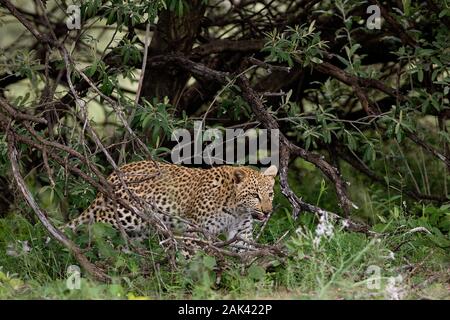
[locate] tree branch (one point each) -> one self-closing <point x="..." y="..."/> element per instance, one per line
<point x="54" y="232"/>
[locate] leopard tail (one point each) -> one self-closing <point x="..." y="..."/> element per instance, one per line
<point x="88" y="216"/>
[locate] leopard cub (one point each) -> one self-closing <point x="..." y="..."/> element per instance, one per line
<point x="220" y="200"/>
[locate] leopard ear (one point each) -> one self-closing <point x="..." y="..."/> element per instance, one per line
<point x="271" y="171"/>
<point x="238" y="175"/>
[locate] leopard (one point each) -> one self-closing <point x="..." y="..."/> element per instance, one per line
<point x="223" y="200"/>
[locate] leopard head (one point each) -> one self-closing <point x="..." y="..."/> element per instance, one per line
<point x="254" y="190"/>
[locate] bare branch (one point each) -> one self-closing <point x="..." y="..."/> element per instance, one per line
<point x="54" y="232"/>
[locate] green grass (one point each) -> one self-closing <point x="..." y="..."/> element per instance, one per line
<point x="335" y="268"/>
<point x="339" y="266"/>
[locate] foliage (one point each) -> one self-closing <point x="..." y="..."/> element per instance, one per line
<point x="371" y="104"/>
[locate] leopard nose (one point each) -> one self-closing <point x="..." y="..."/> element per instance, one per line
<point x="266" y="210"/>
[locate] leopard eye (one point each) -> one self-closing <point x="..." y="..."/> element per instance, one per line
<point x="256" y="196"/>
<point x="270" y="194"/>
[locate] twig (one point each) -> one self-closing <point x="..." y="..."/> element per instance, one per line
<point x="138" y="92"/>
<point x="54" y="232"/>
<point x="287" y="148"/>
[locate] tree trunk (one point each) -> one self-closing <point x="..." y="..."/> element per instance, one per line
<point x="173" y="34"/>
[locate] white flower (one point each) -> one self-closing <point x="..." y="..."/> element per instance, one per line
<point x="391" y="255"/>
<point x="324" y="229"/>
<point x="316" y="241"/>
<point x="13" y="250"/>
<point x="25" y="246"/>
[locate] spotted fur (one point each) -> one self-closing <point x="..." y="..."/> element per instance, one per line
<point x="220" y="200"/>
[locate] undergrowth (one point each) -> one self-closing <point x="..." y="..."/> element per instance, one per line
<point x="408" y="259"/>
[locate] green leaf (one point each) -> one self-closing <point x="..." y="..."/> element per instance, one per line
<point x="90" y="71"/>
<point x="209" y="262"/>
<point x="420" y="75"/>
<point x="407" y="7"/>
<point x="256" y="272"/>
<point x="445" y="12"/>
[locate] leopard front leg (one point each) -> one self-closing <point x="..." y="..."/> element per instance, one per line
<point x="210" y="227"/>
<point x="189" y="244"/>
<point x="242" y="229"/>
